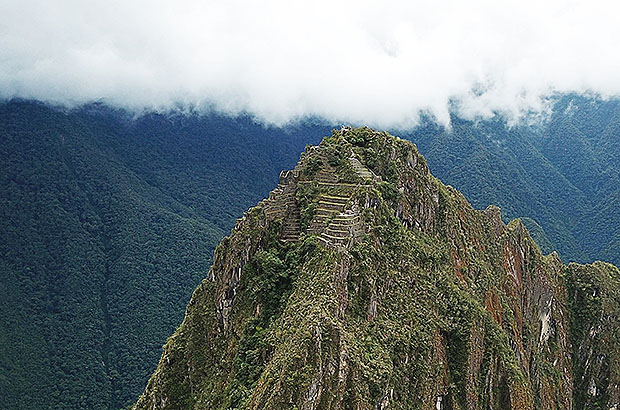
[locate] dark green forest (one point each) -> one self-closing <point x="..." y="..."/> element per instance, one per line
<point x="108" y="224"/>
<point x="561" y="176"/>
<point x="109" y="221"/>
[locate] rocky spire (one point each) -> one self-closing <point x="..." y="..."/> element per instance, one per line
<point x="363" y="282"/>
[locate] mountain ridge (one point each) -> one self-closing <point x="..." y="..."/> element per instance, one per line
<point x="364" y="282"/>
<point x="156" y="185"/>
<point x="560" y="173"/>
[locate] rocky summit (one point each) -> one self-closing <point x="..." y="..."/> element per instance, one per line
<point x="363" y="282"/>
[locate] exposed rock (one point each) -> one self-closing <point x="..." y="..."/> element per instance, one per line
<point x="362" y="282"/>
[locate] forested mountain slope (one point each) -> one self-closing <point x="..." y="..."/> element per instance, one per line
<point x="108" y="223"/>
<point x="561" y="177"/>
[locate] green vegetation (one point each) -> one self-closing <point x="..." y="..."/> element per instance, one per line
<point x="594" y="292"/>
<point x="108" y="224"/>
<point x="563" y="175"/>
<point x="427" y="300"/>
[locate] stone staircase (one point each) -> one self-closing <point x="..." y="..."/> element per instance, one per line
<point x="333" y="224"/>
<point x="342" y="229"/>
<point x="361" y="170"/>
<point x="291" y="229"/>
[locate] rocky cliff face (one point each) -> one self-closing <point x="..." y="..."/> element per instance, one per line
<point x="362" y="282"/>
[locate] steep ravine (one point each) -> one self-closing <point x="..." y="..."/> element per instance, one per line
<point x="363" y="282"/>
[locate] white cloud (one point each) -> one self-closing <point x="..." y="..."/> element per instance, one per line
<point x="378" y="63"/>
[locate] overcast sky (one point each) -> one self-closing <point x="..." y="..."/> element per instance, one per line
<point x="378" y="63"/>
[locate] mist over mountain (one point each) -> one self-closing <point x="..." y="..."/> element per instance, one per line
<point x="562" y="176"/>
<point x="135" y="136"/>
<point x="368" y="63"/>
<point x="110" y="221"/>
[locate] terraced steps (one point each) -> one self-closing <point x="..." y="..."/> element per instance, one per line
<point x="335" y="240"/>
<point x="332" y="206"/>
<point x="275" y="208"/>
<point x="282" y="204"/>
<point x="281" y="195"/>
<point x="335" y="198"/>
<point x="328" y="206"/>
<point x="337" y="232"/>
<point x="291" y="229"/>
<point x="342" y="229"/>
<point x="332" y="222"/>
<point x="326" y="177"/>
<point x="325" y="212"/>
<point x="334" y="225"/>
<point x="361" y="170"/>
<point x="340" y="187"/>
<point x="344" y="225"/>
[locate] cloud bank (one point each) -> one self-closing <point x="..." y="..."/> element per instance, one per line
<point x="379" y="63"/>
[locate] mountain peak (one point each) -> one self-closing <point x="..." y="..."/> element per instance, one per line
<point x="364" y="282"/>
<point x="319" y="197"/>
